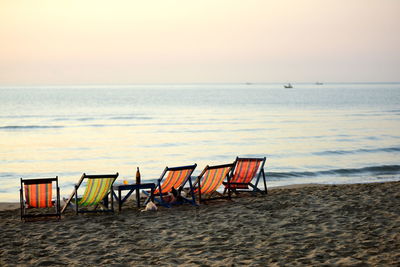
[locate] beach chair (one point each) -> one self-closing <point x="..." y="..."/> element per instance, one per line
<point x="247" y="169"/>
<point x="176" y="177"/>
<point x="210" y="179"/>
<point x="37" y="194"/>
<point x="98" y="190"/>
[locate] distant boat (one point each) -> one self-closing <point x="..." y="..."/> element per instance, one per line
<point x="248" y="83"/>
<point x="288" y="85"/>
<point x="319" y="83"/>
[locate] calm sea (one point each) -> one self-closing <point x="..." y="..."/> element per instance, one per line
<point x="330" y="133"/>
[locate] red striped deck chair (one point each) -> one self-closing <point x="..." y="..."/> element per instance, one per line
<point x="210" y="179"/>
<point x="97" y="193"/>
<point x="175" y="177"/>
<point x="38" y="194"/>
<point x="245" y="171"/>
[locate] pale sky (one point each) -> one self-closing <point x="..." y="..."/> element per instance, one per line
<point x="183" y="41"/>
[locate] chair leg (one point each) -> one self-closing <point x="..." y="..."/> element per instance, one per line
<point x="193" y="195"/>
<point x="200" y="195"/>
<point x="265" y="184"/>
<point x="76" y="200"/>
<point x="58" y="207"/>
<point x="112" y="200"/>
<point x="22" y="204"/>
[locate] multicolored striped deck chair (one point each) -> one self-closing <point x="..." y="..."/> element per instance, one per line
<point x="176" y="177"/>
<point x="37" y="194"/>
<point x="247" y="169"/>
<point x="210" y="180"/>
<point x="97" y="192"/>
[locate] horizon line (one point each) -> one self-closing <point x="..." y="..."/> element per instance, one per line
<point x="194" y="83"/>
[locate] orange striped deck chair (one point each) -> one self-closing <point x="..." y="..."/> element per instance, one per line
<point x="38" y="194"/>
<point x="210" y="179"/>
<point x="175" y="177"/>
<point x="245" y="171"/>
<point x="97" y="193"/>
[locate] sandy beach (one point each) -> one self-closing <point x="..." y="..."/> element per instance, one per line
<point x="344" y="225"/>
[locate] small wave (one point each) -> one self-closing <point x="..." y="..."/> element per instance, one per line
<point x="342" y="152"/>
<point x="109" y="118"/>
<point x="166" y="145"/>
<point x="96" y="125"/>
<point x="305" y="137"/>
<point x="74" y="119"/>
<point x="289" y="174"/>
<point x="130" y="118"/>
<point x="21" y="116"/>
<point x="393" y="111"/>
<point x="6" y="174"/>
<point x="249" y="130"/>
<point x="85" y="119"/>
<point x="367" y="114"/>
<point x="375" y="170"/>
<point x="17" y="127"/>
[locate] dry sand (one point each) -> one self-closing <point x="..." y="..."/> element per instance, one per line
<point x="346" y="225"/>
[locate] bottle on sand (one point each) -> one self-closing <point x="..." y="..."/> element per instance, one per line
<point x="137" y="176"/>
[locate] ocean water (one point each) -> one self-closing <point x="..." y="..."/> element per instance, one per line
<point x="332" y="133"/>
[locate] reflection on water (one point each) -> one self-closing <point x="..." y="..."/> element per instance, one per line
<point x="336" y="133"/>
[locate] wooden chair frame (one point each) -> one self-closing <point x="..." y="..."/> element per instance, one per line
<point x="105" y="200"/>
<point x="24" y="214"/>
<point x="198" y="182"/>
<point x="158" y="196"/>
<point x="260" y="173"/>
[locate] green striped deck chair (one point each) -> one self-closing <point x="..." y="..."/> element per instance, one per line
<point x="38" y="194"/>
<point x="246" y="170"/>
<point x="97" y="193"/>
<point x="210" y="179"/>
<point x="176" y="177"/>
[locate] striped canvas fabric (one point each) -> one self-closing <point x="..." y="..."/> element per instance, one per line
<point x="174" y="179"/>
<point x="96" y="190"/>
<point x="212" y="179"/>
<point x="38" y="195"/>
<point x="245" y="171"/>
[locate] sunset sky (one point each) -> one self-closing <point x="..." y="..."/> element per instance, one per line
<point x="183" y="41"/>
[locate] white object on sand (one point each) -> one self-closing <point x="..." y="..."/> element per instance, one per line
<point x="150" y="207"/>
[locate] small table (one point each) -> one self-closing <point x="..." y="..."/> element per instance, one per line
<point x="131" y="188"/>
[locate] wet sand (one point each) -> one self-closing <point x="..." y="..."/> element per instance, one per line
<point x="345" y="225"/>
